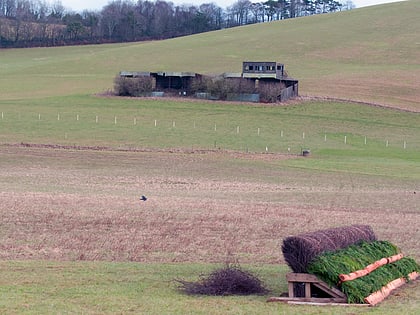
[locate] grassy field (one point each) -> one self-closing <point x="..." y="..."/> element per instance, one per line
<point x="128" y="288"/>
<point x="64" y="205"/>
<point x="369" y="54"/>
<point x="326" y="127"/>
<point x="225" y="181"/>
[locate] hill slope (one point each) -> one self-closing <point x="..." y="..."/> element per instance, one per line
<point x="370" y="54"/>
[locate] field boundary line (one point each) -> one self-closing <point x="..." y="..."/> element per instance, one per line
<point x="344" y="100"/>
<point x="147" y="150"/>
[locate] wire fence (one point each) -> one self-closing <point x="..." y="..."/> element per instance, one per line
<point x="226" y="135"/>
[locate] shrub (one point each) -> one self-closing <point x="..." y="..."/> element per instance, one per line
<point x="230" y="280"/>
<point x="269" y="92"/>
<point x="126" y="86"/>
<point x="200" y="84"/>
<point x="220" y="87"/>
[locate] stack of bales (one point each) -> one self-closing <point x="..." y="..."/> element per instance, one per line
<point x="300" y="250"/>
<point x="351" y="258"/>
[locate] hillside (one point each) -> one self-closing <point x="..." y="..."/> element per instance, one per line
<point x="369" y="54"/>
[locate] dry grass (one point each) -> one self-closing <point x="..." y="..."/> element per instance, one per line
<point x="84" y="205"/>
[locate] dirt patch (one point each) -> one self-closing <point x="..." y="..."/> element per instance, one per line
<point x="233" y="154"/>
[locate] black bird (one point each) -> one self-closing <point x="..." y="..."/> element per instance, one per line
<point x="143" y="198"/>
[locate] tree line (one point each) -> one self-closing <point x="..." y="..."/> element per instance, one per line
<point x="30" y="23"/>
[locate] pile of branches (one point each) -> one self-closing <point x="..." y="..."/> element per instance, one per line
<point x="299" y="251"/>
<point x="230" y="280"/>
<point x="330" y="265"/>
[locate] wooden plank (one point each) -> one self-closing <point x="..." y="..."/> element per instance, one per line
<point x="326" y="304"/>
<point x="301" y="277"/>
<point x="291" y="289"/>
<point x="308" y="289"/>
<point x="307" y="300"/>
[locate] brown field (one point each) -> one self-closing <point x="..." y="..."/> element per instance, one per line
<point x="67" y="204"/>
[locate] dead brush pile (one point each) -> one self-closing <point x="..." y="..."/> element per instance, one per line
<point x="230" y="280"/>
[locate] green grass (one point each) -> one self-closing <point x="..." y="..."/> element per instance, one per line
<point x="39" y="287"/>
<point x="341" y="136"/>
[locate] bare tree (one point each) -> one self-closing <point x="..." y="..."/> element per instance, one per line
<point x="37" y="22"/>
<point x="8" y="8"/>
<point x="258" y="11"/>
<point x="213" y="14"/>
<point x="110" y="17"/>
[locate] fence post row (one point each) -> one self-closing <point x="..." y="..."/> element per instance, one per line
<point x="215" y="129"/>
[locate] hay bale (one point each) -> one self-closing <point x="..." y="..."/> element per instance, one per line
<point x="329" y="265"/>
<point x="300" y="250"/>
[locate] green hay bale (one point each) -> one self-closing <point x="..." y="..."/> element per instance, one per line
<point x="330" y="265"/>
<point x="356" y="290"/>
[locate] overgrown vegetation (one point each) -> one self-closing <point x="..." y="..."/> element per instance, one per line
<point x="230" y="280"/>
<point x="329" y="265"/>
<point x="137" y="86"/>
<point x="216" y="87"/>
